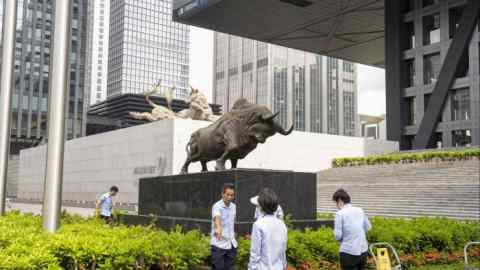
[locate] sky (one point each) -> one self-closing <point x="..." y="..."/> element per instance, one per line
<point x="371" y="81"/>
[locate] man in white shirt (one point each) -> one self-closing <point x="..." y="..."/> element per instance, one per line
<point x="351" y="227"/>
<point x="104" y="205"/>
<point x="269" y="236"/>
<point x="223" y="243"/>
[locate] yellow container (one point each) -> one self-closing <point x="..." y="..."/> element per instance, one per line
<point x="383" y="259"/>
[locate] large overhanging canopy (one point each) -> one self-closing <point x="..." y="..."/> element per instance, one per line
<point x="347" y="29"/>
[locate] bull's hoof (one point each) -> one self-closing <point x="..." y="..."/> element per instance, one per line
<point x="183" y="172"/>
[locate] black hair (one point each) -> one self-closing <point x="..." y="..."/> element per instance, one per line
<point x="114" y="189"/>
<point x="268" y="201"/>
<point x="227" y="186"/>
<point x="342" y="195"/>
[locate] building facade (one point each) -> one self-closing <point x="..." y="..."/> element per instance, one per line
<point x="98" y="22"/>
<point x="315" y="93"/>
<point x="420" y="34"/>
<point x="373" y="127"/>
<point x="146" y="46"/>
<point x="34" y="33"/>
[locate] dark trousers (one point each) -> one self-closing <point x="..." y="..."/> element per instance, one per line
<point x="107" y="219"/>
<point x="352" y="262"/>
<point x="223" y="259"/>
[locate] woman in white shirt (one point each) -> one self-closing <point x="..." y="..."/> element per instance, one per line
<point x="269" y="236"/>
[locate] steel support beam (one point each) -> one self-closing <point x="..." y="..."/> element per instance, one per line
<point x="458" y="47"/>
<point x="7" y="84"/>
<point x="393" y="70"/>
<point x="58" y="94"/>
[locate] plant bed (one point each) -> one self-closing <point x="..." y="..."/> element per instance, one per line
<point x="90" y="244"/>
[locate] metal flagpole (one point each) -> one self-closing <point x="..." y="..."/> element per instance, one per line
<point x="7" y="84"/>
<point x="59" y="68"/>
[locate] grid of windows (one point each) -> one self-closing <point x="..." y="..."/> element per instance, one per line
<point x="349" y="113"/>
<point x="34" y="31"/>
<point x="332" y="95"/>
<point x="437" y="23"/>
<point x="316" y="96"/>
<point x="289" y="82"/>
<point x="147" y="46"/>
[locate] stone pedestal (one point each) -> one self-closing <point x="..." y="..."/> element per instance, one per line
<point x="191" y="196"/>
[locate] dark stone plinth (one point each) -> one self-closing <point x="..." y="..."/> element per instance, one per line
<point x="191" y="196"/>
<point x="204" y="225"/>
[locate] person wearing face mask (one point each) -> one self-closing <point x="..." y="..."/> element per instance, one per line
<point x="269" y="236"/>
<point x="258" y="211"/>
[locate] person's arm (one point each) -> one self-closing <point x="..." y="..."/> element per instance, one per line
<point x="217" y="222"/>
<point x="366" y="223"/>
<point x="98" y="203"/>
<point x="338" y="227"/>
<point x="255" y="248"/>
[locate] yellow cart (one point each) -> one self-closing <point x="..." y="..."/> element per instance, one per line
<point x="382" y="256"/>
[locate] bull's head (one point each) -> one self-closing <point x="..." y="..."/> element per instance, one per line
<point x="267" y="126"/>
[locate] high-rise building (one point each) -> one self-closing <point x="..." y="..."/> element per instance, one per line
<point x="146" y="46"/>
<point x="98" y="22"/>
<point x="423" y="40"/>
<point x="34" y="31"/>
<point x="315" y="93"/>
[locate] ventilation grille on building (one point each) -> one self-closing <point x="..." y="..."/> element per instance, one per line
<point x="298" y="3"/>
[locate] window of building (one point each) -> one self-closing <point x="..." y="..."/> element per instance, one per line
<point x="431" y="68"/>
<point x="426" y="100"/>
<point x="410" y="40"/>
<point x="462" y="138"/>
<point x="410" y="73"/>
<point x="411" y="117"/>
<point x="454" y="15"/>
<point x="463" y="66"/>
<point x="431" y="29"/>
<point x="430" y="2"/>
<point x="409" y="5"/>
<point x="460" y="104"/>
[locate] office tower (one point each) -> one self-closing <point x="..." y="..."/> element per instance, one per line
<point x="315" y="93"/>
<point x="146" y="46"/>
<point x="98" y="22"/>
<point x="32" y="68"/>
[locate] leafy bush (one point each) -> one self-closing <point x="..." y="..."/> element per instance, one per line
<point x="407" y="157"/>
<point x="90" y="244"/>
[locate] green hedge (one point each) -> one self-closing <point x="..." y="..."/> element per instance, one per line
<point x="90" y="244"/>
<point x="406" y="157"/>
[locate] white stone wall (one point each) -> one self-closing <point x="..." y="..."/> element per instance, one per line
<point x="121" y="157"/>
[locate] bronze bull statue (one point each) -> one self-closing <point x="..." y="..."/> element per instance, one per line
<point x="233" y="136"/>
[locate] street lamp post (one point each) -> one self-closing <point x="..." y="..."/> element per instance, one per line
<point x="59" y="69"/>
<point x="7" y="84"/>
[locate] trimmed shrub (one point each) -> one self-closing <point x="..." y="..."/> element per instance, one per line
<point x="90" y="244"/>
<point x="407" y="157"/>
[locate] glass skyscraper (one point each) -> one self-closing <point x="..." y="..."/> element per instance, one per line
<point x="146" y="46"/>
<point x="97" y="50"/>
<point x="315" y="93"/>
<point x="34" y="31"/>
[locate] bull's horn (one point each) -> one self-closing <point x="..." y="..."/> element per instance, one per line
<point x="282" y="131"/>
<point x="270" y="117"/>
